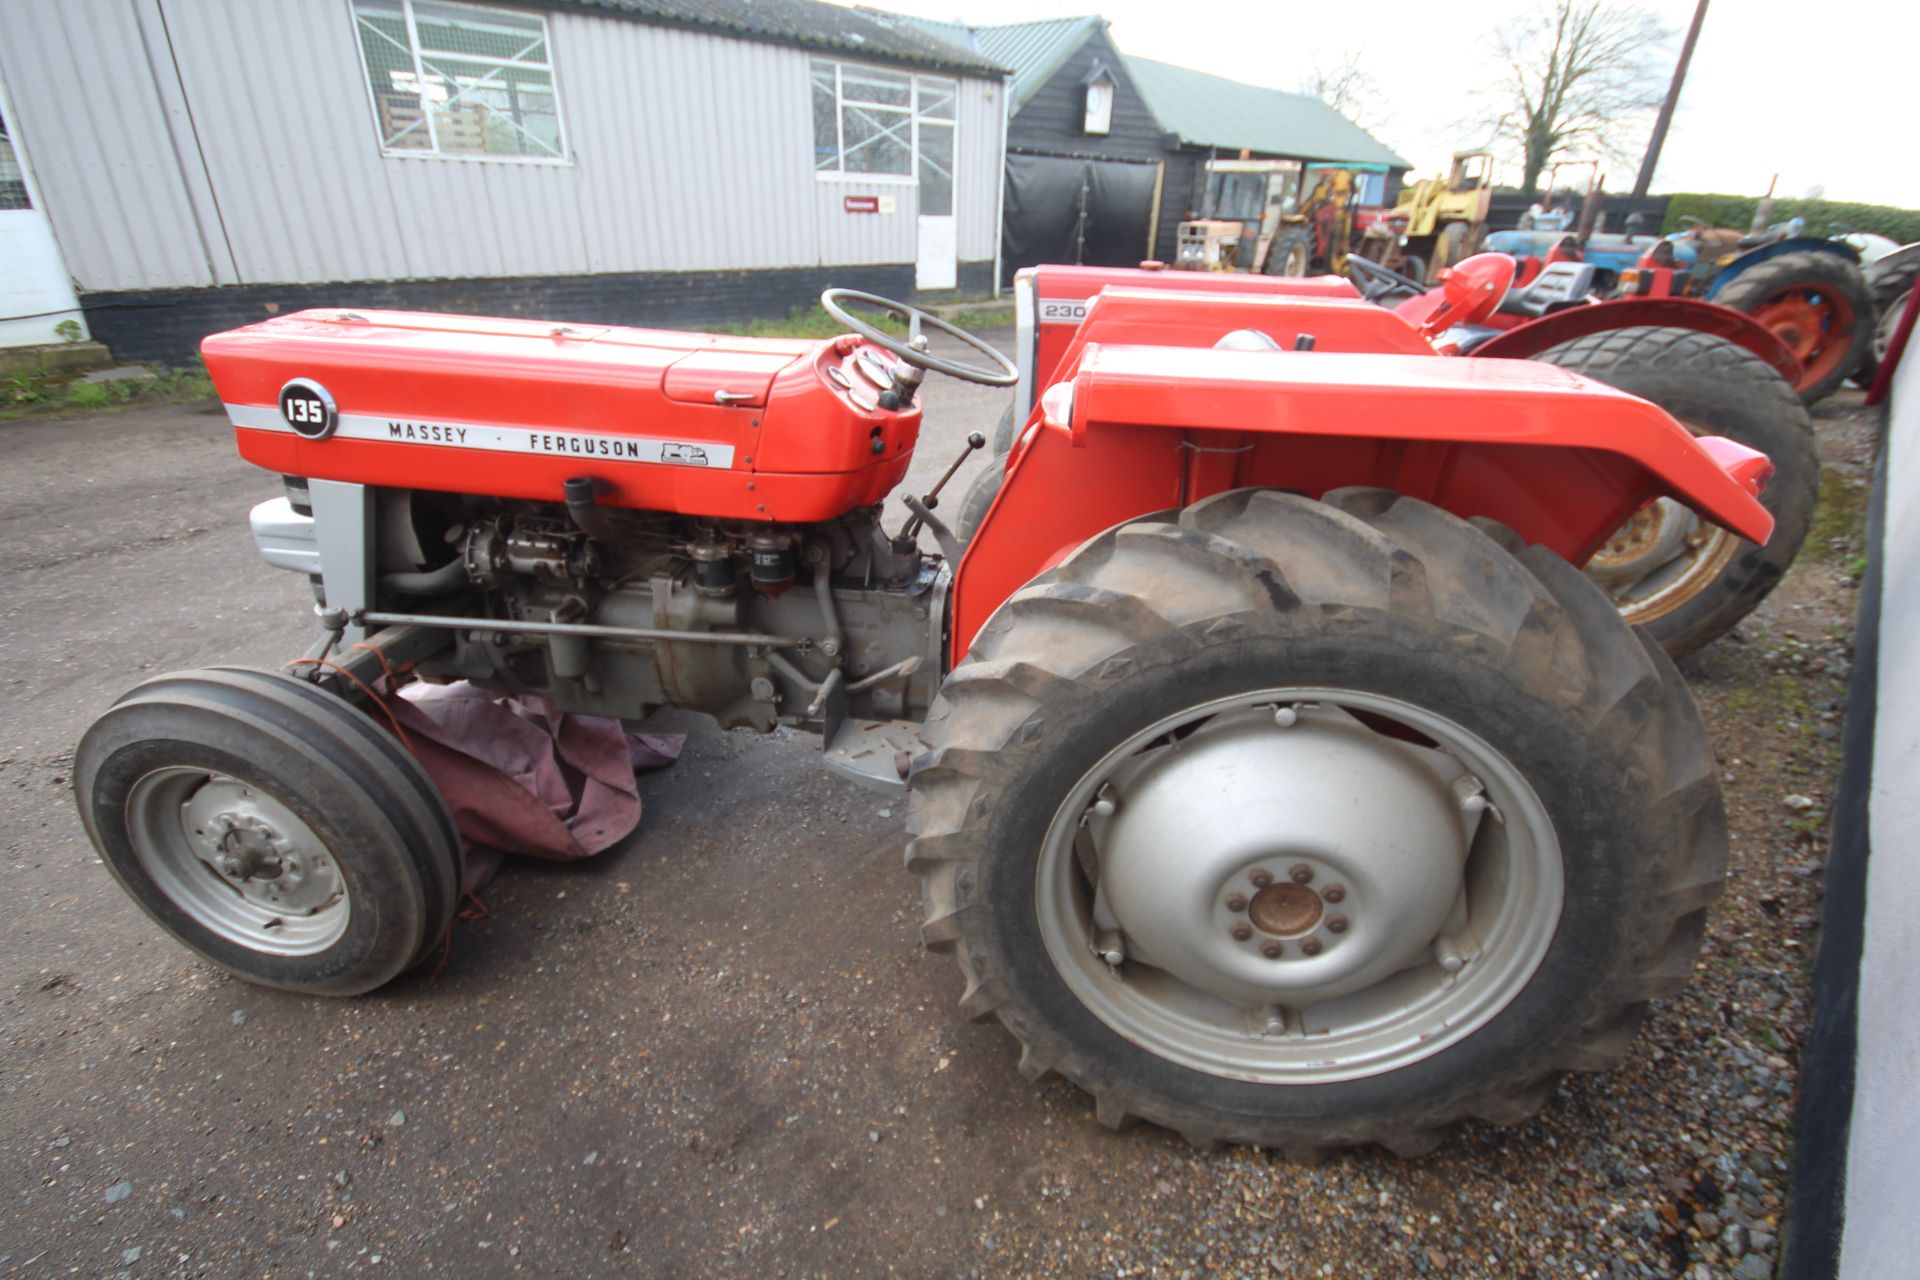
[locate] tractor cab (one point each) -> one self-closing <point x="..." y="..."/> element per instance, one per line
<point x="1242" y="211"/>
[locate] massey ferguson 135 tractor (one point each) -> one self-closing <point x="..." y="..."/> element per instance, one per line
<point x="1719" y="372"/>
<point x="1275" y="774"/>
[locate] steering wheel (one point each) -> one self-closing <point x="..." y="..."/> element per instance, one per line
<point x="1377" y="283"/>
<point x="914" y="348"/>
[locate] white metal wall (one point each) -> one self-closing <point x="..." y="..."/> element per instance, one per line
<point x="257" y="161"/>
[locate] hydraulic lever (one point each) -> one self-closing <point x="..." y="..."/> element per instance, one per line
<point x="922" y="509"/>
<point x="974" y="441"/>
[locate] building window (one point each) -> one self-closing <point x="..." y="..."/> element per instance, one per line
<point x="873" y="123"/>
<point x="459" y="80"/>
<point x="13" y="183"/>
<point x="1100" y="107"/>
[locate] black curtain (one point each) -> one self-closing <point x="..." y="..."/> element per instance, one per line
<point x="1095" y="212"/>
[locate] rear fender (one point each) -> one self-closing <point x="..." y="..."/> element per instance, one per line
<point x="1530" y="339"/>
<point x="1558" y="458"/>
<point x="1888" y="263"/>
<point x="1754" y="257"/>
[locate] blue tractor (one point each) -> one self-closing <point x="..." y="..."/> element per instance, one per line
<point x="1809" y="291"/>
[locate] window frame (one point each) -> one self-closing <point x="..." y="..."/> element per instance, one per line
<point x="552" y="66"/>
<point x="911" y="178"/>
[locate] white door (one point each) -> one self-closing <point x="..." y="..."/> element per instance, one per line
<point x="936" y="263"/>
<point x="36" y="294"/>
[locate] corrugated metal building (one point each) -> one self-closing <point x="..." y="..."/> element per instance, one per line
<point x="207" y="162"/>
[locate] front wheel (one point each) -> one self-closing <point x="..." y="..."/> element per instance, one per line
<point x="1291" y="254"/>
<point x="1310" y="824"/>
<point x="1454" y="243"/>
<point x="272" y="828"/>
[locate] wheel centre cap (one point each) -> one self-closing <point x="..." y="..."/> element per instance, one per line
<point x="1283" y="858"/>
<point x="1286" y="909"/>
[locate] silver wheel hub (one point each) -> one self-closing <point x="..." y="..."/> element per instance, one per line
<point x="1299" y="885"/>
<point x="239" y="862"/>
<point x="1215" y="866"/>
<point x="239" y="842"/>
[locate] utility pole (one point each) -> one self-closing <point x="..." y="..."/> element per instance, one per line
<point x="1665" y="117"/>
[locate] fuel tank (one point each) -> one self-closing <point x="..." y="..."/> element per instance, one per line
<point x="694" y="423"/>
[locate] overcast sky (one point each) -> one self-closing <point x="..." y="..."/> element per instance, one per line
<point x="1825" y="94"/>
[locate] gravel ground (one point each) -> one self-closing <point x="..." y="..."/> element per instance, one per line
<point x="718" y="1050"/>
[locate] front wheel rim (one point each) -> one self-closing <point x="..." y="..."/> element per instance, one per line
<point x="1497" y="909"/>
<point x="237" y="861"/>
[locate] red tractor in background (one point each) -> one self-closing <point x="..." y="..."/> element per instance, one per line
<point x="1275" y="774"/>
<point x="1716" y="370"/>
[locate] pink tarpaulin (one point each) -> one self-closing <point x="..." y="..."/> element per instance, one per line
<point x="523" y="778"/>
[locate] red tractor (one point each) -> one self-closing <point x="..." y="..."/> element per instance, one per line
<point x="1275" y="774"/>
<point x="1719" y="372"/>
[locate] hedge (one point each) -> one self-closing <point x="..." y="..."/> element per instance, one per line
<point x="1824" y="217"/>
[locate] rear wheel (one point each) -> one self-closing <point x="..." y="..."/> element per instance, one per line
<point x="272" y="828"/>
<point x="1311" y="824"/>
<point x="1682" y="580"/>
<point x="1819" y="305"/>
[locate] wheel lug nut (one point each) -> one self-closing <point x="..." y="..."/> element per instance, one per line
<point x="1241" y="932"/>
<point x="1271" y="950"/>
<point x="1310" y="947"/>
<point x="1261" y="878"/>
<point x="1336" y="924"/>
<point x="1334" y="892"/>
<point x="1236" y="902"/>
<point x="1301" y="873"/>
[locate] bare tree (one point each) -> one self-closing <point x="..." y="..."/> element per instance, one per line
<point x="1579" y="75"/>
<point x="1345" y="85"/>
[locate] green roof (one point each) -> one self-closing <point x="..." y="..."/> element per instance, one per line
<point x="1210" y="111"/>
<point x="1033" y="51"/>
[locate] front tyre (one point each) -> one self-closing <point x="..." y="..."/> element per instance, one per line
<point x="1310" y="824"/>
<point x="270" y="827"/>
<point x="1291" y="253"/>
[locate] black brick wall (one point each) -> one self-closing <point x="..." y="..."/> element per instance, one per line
<point x="164" y="326"/>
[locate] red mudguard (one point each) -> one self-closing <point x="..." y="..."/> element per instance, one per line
<point x="1558" y="458"/>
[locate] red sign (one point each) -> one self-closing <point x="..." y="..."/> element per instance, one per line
<point x="862" y="204"/>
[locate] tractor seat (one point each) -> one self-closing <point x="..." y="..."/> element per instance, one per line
<point x="1247" y="340"/>
<point x="1558" y="285"/>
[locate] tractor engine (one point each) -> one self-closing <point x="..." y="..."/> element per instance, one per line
<point x="619" y="612"/>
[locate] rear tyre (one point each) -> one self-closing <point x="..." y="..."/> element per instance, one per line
<point x="1683" y="581"/>
<point x="272" y="828"/>
<point x="1819" y="305"/>
<point x="1169" y="763"/>
<point x="1291" y="254"/>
